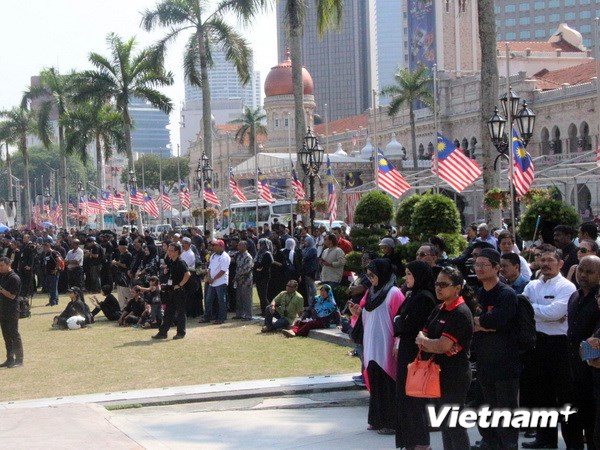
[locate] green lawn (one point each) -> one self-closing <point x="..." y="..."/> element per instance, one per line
<point x="107" y="358"/>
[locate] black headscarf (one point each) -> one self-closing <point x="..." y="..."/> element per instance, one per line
<point x="423" y="276"/>
<point x="386" y="280"/>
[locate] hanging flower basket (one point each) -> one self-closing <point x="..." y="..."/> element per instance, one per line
<point x="496" y="198"/>
<point x="302" y="207"/>
<point x="82" y="219"/>
<point x="320" y="205"/>
<point x="536" y="194"/>
<point x="196" y="212"/>
<point x="131" y="216"/>
<point x="211" y="213"/>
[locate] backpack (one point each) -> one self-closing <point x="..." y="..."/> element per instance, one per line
<point x="24" y="308"/>
<point x="526" y="334"/>
<point x="60" y="262"/>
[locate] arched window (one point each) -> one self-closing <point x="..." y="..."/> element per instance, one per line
<point x="573" y="144"/>
<point x="421" y="151"/>
<point x="430" y="150"/>
<point x="585" y="142"/>
<point x="545" y="140"/>
<point x="556" y="143"/>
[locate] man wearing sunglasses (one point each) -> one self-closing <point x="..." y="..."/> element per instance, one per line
<point x="563" y="240"/>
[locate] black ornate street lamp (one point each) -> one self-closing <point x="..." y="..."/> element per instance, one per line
<point x="204" y="173"/>
<point x="310" y="157"/>
<point x="80" y="191"/>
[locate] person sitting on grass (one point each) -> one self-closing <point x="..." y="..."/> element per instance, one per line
<point x="75" y="308"/>
<point x="284" y="308"/>
<point x="153" y="314"/>
<point x="322" y="312"/>
<point x="109" y="306"/>
<point x="132" y="313"/>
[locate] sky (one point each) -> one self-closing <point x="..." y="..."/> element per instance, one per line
<point x="36" y="34"/>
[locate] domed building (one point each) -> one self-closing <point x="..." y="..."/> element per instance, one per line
<point x="279" y="103"/>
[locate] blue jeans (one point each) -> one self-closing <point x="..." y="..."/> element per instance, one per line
<point x="215" y="303"/>
<point x="275" y="320"/>
<point x="52" y="288"/>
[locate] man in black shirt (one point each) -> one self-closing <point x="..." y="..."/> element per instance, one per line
<point x="583" y="315"/>
<point x="496" y="347"/>
<point x="121" y="275"/>
<point x="25" y="266"/>
<point x="92" y="262"/>
<point x="51" y="272"/>
<point x="563" y="239"/>
<point x="10" y="286"/>
<point x="173" y="296"/>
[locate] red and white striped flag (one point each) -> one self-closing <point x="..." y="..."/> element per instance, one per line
<point x="94" y="205"/>
<point x="106" y="201"/>
<point x="56" y="215"/>
<point x="454" y="167"/>
<point x="164" y="199"/>
<point x="523" y="171"/>
<point x="136" y="197"/>
<point x="331" y="193"/>
<point x="388" y="177"/>
<point x="150" y="206"/>
<point x="118" y="200"/>
<point x="263" y="188"/>
<point x="184" y="196"/>
<point x="209" y="194"/>
<point x="352" y="200"/>
<point x="235" y="189"/>
<point x="299" y="192"/>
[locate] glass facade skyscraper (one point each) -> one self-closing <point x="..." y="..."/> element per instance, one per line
<point x="149" y="133"/>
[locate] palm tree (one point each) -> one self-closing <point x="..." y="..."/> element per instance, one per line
<point x="56" y="90"/>
<point x="489" y="88"/>
<point x="250" y="127"/>
<point x="19" y="123"/>
<point x="409" y="88"/>
<point x="98" y="123"/>
<point x="208" y="28"/>
<point x="329" y="15"/>
<point x="123" y="76"/>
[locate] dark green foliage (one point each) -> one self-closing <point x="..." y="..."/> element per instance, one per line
<point x="404" y="214"/>
<point x="367" y="238"/>
<point x="408" y="251"/>
<point x="455" y="243"/>
<point x="552" y="212"/>
<point x="434" y="214"/>
<point x="374" y="208"/>
<point x="341" y="295"/>
<point x="353" y="261"/>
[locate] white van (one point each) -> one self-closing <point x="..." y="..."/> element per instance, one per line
<point x="157" y="230"/>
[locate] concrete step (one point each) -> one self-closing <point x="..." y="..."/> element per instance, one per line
<point x="332" y="335"/>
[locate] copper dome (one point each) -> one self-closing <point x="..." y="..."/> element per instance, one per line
<point x="279" y="79"/>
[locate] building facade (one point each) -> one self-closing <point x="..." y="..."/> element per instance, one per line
<point x="149" y="133"/>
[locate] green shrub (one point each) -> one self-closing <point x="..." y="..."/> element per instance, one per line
<point x="408" y="251"/>
<point x="455" y="243"/>
<point x="341" y="295"/>
<point x="404" y="214"/>
<point x="367" y="238"/>
<point x="434" y="214"/>
<point x="375" y="207"/>
<point x="552" y="213"/>
<point x="353" y="261"/>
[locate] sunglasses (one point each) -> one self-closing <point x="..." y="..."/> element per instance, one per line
<point x="370" y="276"/>
<point x="422" y="254"/>
<point x="442" y="284"/>
<point x="583" y="250"/>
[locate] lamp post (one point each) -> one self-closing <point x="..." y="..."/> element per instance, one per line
<point x="311" y="158"/>
<point x="79" y="194"/>
<point x="48" y="197"/>
<point x="132" y="181"/>
<point x="204" y="173"/>
<point x="502" y="138"/>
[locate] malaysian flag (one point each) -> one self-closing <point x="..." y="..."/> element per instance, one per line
<point x="164" y="199"/>
<point x="352" y="200"/>
<point x="523" y="172"/>
<point x="209" y="194"/>
<point x="388" y="177"/>
<point x="299" y="192"/>
<point x="94" y="205"/>
<point x="56" y="215"/>
<point x="184" y="196"/>
<point x="106" y="201"/>
<point x="72" y="206"/>
<point x="118" y="200"/>
<point x="263" y="188"/>
<point x="235" y="189"/>
<point x="83" y="209"/>
<point x="454" y="167"/>
<point x="136" y="197"/>
<point x="150" y="205"/>
<point x="331" y="193"/>
<point x="36" y="215"/>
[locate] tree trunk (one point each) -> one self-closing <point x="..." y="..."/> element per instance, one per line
<point x="12" y="206"/>
<point x="27" y="189"/>
<point x="206" y="107"/>
<point x="413" y="137"/>
<point x="296" y="57"/>
<point x="488" y="92"/>
<point x="62" y="174"/>
<point x="99" y="177"/>
<point x="129" y="150"/>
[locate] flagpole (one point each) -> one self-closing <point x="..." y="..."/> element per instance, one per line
<point x="229" y="172"/>
<point x="179" y="181"/>
<point x="161" y="189"/>
<point x="256" y="182"/>
<point x="510" y="145"/>
<point x="375" y="147"/>
<point x="435" y="131"/>
<point x="290" y="156"/>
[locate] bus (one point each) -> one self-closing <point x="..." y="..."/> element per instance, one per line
<point x="243" y="215"/>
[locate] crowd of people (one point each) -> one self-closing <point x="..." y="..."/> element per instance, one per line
<point x="463" y="312"/>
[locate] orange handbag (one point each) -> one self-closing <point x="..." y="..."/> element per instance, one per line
<point x="423" y="378"/>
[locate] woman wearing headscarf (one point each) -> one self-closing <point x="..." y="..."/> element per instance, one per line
<point x="277" y="281"/>
<point x="322" y="312"/>
<point x="293" y="260"/>
<point x="262" y="270"/>
<point x="412" y="429"/>
<point x="310" y="265"/>
<point x="377" y="310"/>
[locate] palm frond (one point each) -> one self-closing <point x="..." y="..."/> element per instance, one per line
<point x="237" y="48"/>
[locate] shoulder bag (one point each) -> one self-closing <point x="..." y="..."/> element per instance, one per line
<point x="423" y="378"/>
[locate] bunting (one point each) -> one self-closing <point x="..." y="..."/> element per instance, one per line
<point x="263" y="188"/>
<point x="299" y="192"/>
<point x="235" y="189"/>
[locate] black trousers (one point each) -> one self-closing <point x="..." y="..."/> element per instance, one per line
<point x="550" y="365"/>
<point x="26" y="282"/>
<point x="500" y="394"/>
<point x="175" y="304"/>
<point x="75" y="277"/>
<point x="583" y="386"/>
<point x="262" y="288"/>
<point x="9" y="323"/>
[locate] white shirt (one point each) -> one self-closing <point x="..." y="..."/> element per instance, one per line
<point x="74" y="255"/>
<point x="190" y="258"/>
<point x="217" y="264"/>
<point x="550" y="300"/>
<point x="525" y="270"/>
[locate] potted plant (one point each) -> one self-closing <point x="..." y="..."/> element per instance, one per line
<point x="131" y="216"/>
<point x="302" y="207"/>
<point x="320" y="205"/>
<point x="211" y="213"/>
<point x="496" y="198"/>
